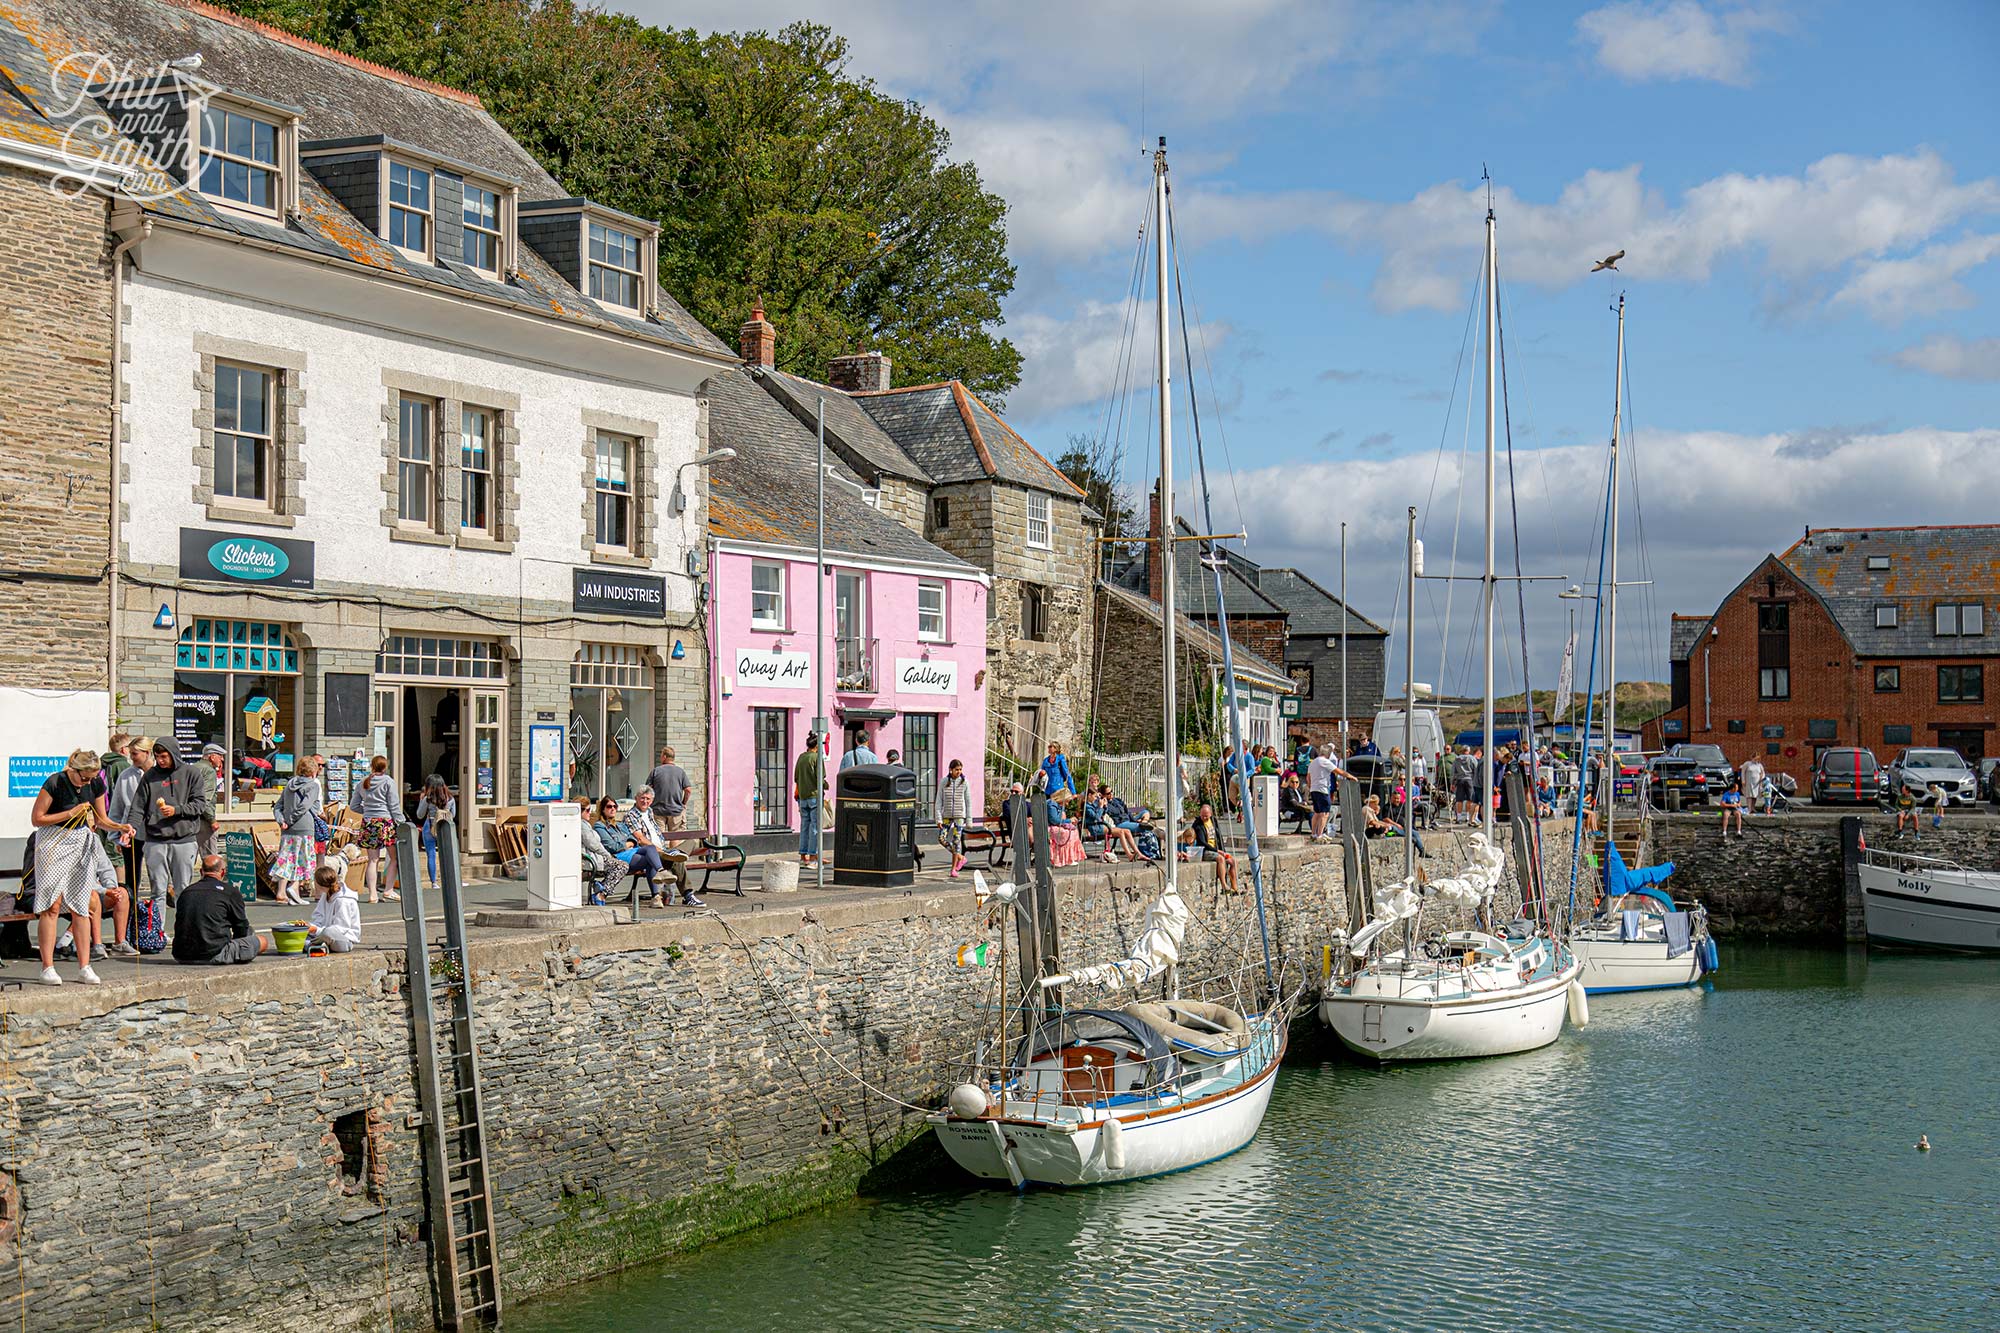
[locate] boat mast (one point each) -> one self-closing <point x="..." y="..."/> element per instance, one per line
<point x="1488" y="583"/>
<point x="1169" y="702"/>
<point x="1611" y="606"/>
<point x="1410" y="707"/>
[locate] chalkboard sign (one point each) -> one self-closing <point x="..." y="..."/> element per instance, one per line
<point x="239" y="851"/>
<point x="346" y="703"/>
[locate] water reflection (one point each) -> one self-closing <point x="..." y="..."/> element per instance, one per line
<point x="1731" y="1156"/>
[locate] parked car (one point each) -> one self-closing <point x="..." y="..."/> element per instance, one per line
<point x="1848" y="774"/>
<point x="1989" y="778"/>
<point x="1680" y="775"/>
<point x="1715" y="766"/>
<point x="1917" y="771"/>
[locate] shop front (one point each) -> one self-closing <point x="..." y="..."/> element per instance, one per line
<point x="440" y="709"/>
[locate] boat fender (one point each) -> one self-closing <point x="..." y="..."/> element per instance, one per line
<point x="1113" y="1134"/>
<point x="1014" y="1175"/>
<point x="1579" y="1004"/>
<point x="1711" y="957"/>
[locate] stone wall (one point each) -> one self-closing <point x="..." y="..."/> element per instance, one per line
<point x="233" y="1150"/>
<point x="55" y="396"/>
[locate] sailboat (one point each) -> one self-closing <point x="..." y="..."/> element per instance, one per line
<point x="1638" y="937"/>
<point x="1461" y="993"/>
<point x="1082" y="1095"/>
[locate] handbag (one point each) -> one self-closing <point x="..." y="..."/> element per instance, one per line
<point x="147" y="936"/>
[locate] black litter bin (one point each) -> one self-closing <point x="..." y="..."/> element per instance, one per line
<point x="875" y="826"/>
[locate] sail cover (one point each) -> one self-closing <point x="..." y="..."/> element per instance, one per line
<point x="1158" y="948"/>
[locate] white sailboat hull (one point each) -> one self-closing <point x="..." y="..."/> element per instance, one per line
<point x="1371" y="1019"/>
<point x="1622" y="965"/>
<point x="1075" y="1145"/>
<point x="1931" y="906"/>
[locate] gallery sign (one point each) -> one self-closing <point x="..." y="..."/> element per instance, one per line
<point x="773" y="671"/>
<point x="916" y="676"/>
<point x="607" y="592"/>
<point x="232" y="557"/>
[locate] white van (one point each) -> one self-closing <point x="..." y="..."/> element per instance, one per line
<point x="1390" y="732"/>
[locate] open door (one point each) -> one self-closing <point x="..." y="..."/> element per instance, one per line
<point x="484" y="789"/>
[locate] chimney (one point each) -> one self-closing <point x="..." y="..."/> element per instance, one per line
<point x="1155" y="585"/>
<point x="757" y="340"/>
<point x="864" y="372"/>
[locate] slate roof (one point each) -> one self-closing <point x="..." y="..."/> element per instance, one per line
<point x="1202" y="639"/>
<point x="956" y="437"/>
<point x="1683" y="634"/>
<point x="1195" y="582"/>
<point x="337" y="97"/>
<point x="1926" y="565"/>
<point x="767" y="493"/>
<point x="846" y="421"/>
<point x="1314" y="611"/>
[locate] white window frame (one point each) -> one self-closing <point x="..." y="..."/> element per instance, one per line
<point x="1039" y="502"/>
<point x="932" y="588"/>
<point x="591" y="263"/>
<point x="275" y="167"/>
<point x="1886" y="615"/>
<point x="268" y="440"/>
<point x="427" y="462"/>
<point x="1878" y="563"/>
<point x="607" y="489"/>
<point x="772" y="614"/>
<point x="390" y="207"/>
<point x="498" y="231"/>
<point x="488" y="440"/>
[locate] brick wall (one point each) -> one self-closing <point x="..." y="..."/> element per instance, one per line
<point x="55" y="398"/>
<point x="1829" y="683"/>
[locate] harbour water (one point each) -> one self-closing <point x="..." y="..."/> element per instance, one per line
<point x="1738" y="1156"/>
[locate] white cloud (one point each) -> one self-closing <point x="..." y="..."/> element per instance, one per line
<point x="1713" y="502"/>
<point x="1073" y="186"/>
<point x="1892" y="290"/>
<point x="1679" y="39"/>
<point x="1976" y="359"/>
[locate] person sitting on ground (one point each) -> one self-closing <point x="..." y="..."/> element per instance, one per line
<point x="1906" y="810"/>
<point x="336" y="913"/>
<point x="1732" y="808"/>
<point x="1097" y="823"/>
<point x="1205" y="844"/>
<point x="210" y="925"/>
<point x="1378" y="827"/>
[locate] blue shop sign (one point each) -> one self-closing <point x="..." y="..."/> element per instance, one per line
<point x="27" y="772"/>
<point x="235" y="557"/>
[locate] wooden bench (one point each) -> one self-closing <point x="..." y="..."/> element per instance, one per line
<point x="1300" y="818"/>
<point x="718" y="856"/>
<point x="992" y="839"/>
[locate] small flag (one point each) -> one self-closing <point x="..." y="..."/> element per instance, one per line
<point x="974" y="955"/>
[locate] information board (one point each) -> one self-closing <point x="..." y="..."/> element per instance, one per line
<point x="239" y="851"/>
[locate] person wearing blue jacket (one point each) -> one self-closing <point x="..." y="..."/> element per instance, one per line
<point x="1056" y="769"/>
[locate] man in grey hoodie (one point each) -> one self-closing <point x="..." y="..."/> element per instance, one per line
<point x="175" y="799"/>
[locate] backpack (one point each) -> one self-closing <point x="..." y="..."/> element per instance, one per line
<point x="147" y="936"/>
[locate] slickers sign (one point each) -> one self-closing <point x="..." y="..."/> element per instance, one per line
<point x="773" y="671"/>
<point x="916" y="676"/>
<point x="229" y="557"/>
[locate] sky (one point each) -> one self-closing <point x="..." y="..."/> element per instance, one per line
<point x="1808" y="195"/>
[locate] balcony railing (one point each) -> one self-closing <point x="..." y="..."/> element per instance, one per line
<point x="854" y="666"/>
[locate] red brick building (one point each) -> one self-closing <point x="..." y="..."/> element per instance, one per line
<point x="1854" y="636"/>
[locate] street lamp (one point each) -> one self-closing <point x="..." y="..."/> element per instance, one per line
<point x="678" y="503"/>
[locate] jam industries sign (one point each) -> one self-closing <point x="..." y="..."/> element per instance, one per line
<point x="234" y="557"/>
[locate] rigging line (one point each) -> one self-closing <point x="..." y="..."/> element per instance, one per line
<point x="1653" y="617"/>
<point x="1221" y="429"/>
<point x="1558" y="533"/>
<point x="1127" y="342"/>
<point x="1465" y="337"/>
<point x="1221" y="615"/>
<point x="1589" y="707"/>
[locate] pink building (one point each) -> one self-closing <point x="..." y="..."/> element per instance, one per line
<point x="905" y="622"/>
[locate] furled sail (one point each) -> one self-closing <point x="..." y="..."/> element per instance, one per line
<point x="1158" y="948"/>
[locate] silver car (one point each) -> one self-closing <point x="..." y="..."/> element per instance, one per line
<point x="1917" y="771"/>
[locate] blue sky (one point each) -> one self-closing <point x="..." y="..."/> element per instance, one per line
<point x="1809" y="195"/>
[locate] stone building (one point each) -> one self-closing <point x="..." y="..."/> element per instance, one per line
<point x="950" y="468"/>
<point x="1128" y="680"/>
<point x="1874" y="637"/>
<point x="408" y="437"/>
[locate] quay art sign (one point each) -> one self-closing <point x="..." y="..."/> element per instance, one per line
<point x="773" y="671"/>
<point x="232" y="557"/>
<point x="916" y="676"/>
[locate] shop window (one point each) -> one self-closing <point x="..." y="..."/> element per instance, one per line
<point x="446" y="659"/>
<point x="771" y="730"/>
<point x="920" y="756"/>
<point x="610" y="719"/>
<point x="236" y="685"/>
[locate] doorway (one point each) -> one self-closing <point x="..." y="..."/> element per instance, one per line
<point x="458" y="733"/>
<point x="1028" y="733"/>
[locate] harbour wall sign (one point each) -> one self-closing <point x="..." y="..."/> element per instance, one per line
<point x="234" y="557"/>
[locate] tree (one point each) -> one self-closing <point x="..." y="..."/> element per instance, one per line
<point x="1093" y="465"/>
<point x="776" y="174"/>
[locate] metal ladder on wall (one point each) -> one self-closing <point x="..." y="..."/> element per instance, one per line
<point x="465" y="1253"/>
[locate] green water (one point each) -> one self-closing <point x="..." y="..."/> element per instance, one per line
<point x="1734" y="1157"/>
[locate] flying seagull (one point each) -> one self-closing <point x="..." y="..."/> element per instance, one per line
<point x="1608" y="262"/>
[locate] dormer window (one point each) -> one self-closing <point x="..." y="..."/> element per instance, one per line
<point x="482" y="229"/>
<point x="409" y="219"/>
<point x="614" y="266"/>
<point x="239" y="159"/>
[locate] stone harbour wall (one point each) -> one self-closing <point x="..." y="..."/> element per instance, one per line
<point x="236" y="1151"/>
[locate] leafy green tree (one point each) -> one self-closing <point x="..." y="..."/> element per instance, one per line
<point x="776" y="173"/>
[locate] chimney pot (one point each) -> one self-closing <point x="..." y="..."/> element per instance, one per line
<point x="757" y="340"/>
<point x="864" y="372"/>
